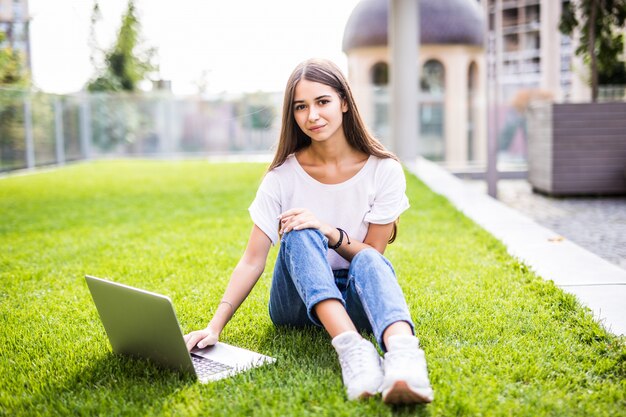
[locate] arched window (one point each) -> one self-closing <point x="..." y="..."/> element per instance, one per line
<point x="432" y="86"/>
<point x="380" y="74"/>
<point x="472" y="81"/>
<point x="433" y="78"/>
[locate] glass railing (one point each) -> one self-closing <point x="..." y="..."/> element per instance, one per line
<point x="607" y="93"/>
<point x="39" y="129"/>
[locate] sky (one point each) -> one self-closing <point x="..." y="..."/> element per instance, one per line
<point x="233" y="46"/>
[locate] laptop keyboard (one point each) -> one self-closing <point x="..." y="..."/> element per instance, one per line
<point x="206" y="367"/>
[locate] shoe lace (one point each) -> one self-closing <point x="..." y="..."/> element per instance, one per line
<point x="353" y="361"/>
<point x="412" y="360"/>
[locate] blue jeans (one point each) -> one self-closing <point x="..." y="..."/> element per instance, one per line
<point x="302" y="278"/>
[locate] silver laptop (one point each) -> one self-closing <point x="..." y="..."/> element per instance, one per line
<point x="143" y="324"/>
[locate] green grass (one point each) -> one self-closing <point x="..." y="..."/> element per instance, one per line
<point x="499" y="340"/>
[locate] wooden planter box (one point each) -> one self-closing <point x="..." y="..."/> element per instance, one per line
<point x="577" y="149"/>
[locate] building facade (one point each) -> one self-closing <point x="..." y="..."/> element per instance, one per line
<point x="478" y="60"/>
<point x="452" y="69"/>
<point x="530" y="51"/>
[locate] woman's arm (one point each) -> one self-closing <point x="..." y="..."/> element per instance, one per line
<point x="377" y="237"/>
<point x="242" y="280"/>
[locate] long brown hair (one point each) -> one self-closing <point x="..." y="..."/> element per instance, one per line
<point x="292" y="138"/>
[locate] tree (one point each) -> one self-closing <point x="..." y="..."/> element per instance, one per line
<point x="126" y="63"/>
<point x="12" y="68"/>
<point x="116" y="119"/>
<point x="601" y="44"/>
<point x="13" y="74"/>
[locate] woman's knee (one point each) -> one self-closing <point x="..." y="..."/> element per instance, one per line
<point x="369" y="256"/>
<point x="370" y="262"/>
<point x="304" y="237"/>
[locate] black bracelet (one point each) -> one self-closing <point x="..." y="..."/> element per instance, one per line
<point x="340" y="241"/>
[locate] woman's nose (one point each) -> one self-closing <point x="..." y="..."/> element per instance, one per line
<point x="313" y="114"/>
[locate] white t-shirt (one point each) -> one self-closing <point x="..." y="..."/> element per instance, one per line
<point x="376" y="194"/>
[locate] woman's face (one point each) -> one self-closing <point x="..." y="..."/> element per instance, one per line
<point x="318" y="110"/>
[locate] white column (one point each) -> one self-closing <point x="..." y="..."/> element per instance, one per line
<point x="455" y="116"/>
<point x="550" y="41"/>
<point x="404" y="45"/>
<point x="359" y="66"/>
<point x="499" y="50"/>
<point x="480" y="117"/>
<point x="494" y="92"/>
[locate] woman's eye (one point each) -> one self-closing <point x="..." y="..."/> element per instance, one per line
<point x="323" y="102"/>
<point x="300" y="107"/>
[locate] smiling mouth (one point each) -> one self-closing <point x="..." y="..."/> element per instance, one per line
<point x="316" y="128"/>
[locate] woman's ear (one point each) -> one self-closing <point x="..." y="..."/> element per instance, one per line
<point x="344" y="105"/>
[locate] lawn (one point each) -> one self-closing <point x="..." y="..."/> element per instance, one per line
<point x="499" y="340"/>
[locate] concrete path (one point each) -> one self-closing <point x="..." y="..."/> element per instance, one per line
<point x="598" y="224"/>
<point x="597" y="283"/>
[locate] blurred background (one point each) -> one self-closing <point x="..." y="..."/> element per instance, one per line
<point x="88" y="79"/>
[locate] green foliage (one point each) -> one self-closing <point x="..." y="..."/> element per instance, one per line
<point x="13" y="129"/>
<point x="261" y="117"/>
<point x="12" y="143"/>
<point x="12" y="68"/>
<point x="116" y="120"/>
<point x="126" y="63"/>
<point x="257" y="111"/>
<point x="115" y="117"/>
<point x="499" y="340"/>
<point x="608" y="42"/>
<point x="616" y="76"/>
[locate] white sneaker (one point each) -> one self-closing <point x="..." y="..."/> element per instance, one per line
<point x="406" y="377"/>
<point x="360" y="365"/>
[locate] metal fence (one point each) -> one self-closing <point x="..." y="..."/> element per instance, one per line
<point x="612" y="93"/>
<point x="38" y="129"/>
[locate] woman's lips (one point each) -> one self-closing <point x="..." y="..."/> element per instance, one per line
<point x="316" y="128"/>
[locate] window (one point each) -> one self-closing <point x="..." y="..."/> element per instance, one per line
<point x="432" y="78"/>
<point x="472" y="81"/>
<point x="380" y="74"/>
<point x="379" y="77"/>
<point x="431" y="112"/>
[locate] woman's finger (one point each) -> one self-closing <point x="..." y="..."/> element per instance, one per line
<point x="209" y="340"/>
<point x="291" y="212"/>
<point x="193" y="339"/>
<point x="289" y="223"/>
<point x="310" y="224"/>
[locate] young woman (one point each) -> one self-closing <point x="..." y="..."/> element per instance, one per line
<point x="332" y="197"/>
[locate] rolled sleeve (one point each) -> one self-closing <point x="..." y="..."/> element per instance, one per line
<point x="262" y="212"/>
<point x="390" y="199"/>
<point x="266" y="207"/>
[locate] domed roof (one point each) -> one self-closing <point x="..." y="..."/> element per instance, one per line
<point x="441" y="22"/>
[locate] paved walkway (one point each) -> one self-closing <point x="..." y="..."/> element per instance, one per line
<point x="596" y="224"/>
<point x="596" y="282"/>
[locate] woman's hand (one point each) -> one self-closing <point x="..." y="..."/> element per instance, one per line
<point x="300" y="218"/>
<point x="201" y="338"/>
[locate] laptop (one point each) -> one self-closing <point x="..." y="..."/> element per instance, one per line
<point x="143" y="324"/>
